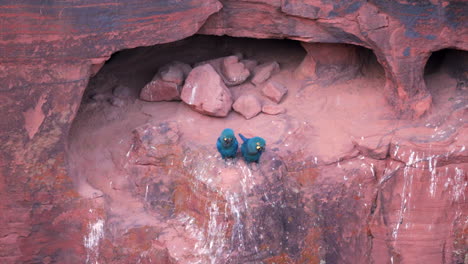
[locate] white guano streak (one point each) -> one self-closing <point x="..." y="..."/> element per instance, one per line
<point x="192" y="95"/>
<point x="91" y="241"/>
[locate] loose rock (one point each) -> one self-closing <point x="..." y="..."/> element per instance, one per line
<point x="248" y="106"/>
<point x="175" y="72"/>
<point x="250" y="64"/>
<point x="167" y="83"/>
<point x="159" y="90"/>
<point x="264" y="71"/>
<point x="122" y="91"/>
<point x="274" y="91"/>
<point x="115" y="101"/>
<point x="234" y="72"/>
<point x="206" y="93"/>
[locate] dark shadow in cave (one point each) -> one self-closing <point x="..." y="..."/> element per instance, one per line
<point x="332" y="63"/>
<point x="451" y="61"/>
<point x="446" y="72"/>
<point x="371" y="68"/>
<point x="133" y="68"/>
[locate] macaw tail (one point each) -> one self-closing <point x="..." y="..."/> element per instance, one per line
<point x="242" y="137"/>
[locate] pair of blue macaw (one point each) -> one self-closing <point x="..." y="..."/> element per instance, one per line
<point x="251" y="149"/>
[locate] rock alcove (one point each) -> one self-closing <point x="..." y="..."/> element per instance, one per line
<point x="335" y="183"/>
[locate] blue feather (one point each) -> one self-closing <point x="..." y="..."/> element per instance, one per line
<point x="244" y="139"/>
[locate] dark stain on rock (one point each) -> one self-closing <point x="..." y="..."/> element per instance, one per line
<point x="455" y="13"/>
<point x="406" y="52"/>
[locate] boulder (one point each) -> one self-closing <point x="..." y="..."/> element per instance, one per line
<point x="167" y="83"/>
<point x="160" y="90"/>
<point x="175" y="72"/>
<point x="234" y="72"/>
<point x="122" y="91"/>
<point x="274" y="91"/>
<point x="172" y="74"/>
<point x="248" y="106"/>
<point x="264" y="71"/>
<point x="205" y="91"/>
<point x="242" y="89"/>
<point x="230" y="68"/>
<point x="249" y="64"/>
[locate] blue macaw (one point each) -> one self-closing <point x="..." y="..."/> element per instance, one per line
<point x="227" y="144"/>
<point x="252" y="148"/>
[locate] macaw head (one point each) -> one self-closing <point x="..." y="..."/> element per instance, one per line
<point x="227" y="137"/>
<point x="257" y="144"/>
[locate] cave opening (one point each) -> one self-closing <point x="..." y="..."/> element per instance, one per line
<point x="154" y="164"/>
<point x="446" y="77"/>
<point x="136" y="67"/>
<point x="131" y="69"/>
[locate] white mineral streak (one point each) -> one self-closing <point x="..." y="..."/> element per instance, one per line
<point x="91" y="241"/>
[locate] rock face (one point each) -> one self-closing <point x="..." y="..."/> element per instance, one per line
<point x="49" y="54"/>
<point x="173" y="198"/>
<point x="75" y="41"/>
<point x="205" y="92"/>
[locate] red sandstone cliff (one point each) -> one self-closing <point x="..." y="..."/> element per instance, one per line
<point x="410" y="204"/>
